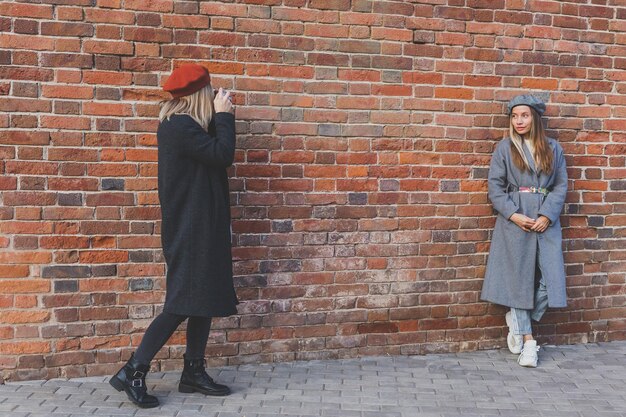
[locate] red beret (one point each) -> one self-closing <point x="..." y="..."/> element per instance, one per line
<point x="186" y="80"/>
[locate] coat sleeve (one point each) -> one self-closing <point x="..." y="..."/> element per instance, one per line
<point x="553" y="203"/>
<point x="218" y="150"/>
<point x="497" y="184"/>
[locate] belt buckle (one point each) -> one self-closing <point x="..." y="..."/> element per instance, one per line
<point x="533" y="190"/>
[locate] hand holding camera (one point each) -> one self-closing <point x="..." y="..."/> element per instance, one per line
<point x="223" y="102"/>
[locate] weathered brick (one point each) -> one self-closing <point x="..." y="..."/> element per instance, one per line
<point x="65" y="286"/>
<point x="26" y="10"/>
<point x="20" y="316"/>
<point x="24" y="137"/>
<point x="360" y="213"/>
<point x="67" y="29"/>
<point x="66" y="272"/>
<point x="26" y="26"/>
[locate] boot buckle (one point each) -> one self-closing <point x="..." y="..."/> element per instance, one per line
<point x="136" y="383"/>
<point x="138" y="374"/>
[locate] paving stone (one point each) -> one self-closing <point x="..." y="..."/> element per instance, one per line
<point x="155" y="412"/>
<point x="189" y="413"/>
<point x="340" y="413"/>
<point x="4" y="407"/>
<point x="36" y="414"/>
<point x="116" y="412"/>
<point x="361" y="407"/>
<point x="37" y="409"/>
<point x="573" y="381"/>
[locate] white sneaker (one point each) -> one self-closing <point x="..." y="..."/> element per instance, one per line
<point x="528" y="357"/>
<point x="515" y="341"/>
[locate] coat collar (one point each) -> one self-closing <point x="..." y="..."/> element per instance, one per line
<point x="530" y="159"/>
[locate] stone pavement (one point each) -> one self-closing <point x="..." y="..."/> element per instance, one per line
<point x="572" y="381"/>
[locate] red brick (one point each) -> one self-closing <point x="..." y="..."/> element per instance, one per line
<point x="96" y="257"/>
<point x="357" y="102"/>
<point x="24" y="42"/>
<point x="223" y="9"/>
<point x="257" y="26"/>
<point x="26" y="10"/>
<point x="23" y="137"/>
<point x="107" y="109"/>
<point x="107" y="284"/>
<point x="112" y="170"/>
<point x="482" y="81"/>
<point x="330" y="31"/>
<point x="20" y="348"/>
<point x="66" y="29"/>
<point x="110" y="199"/>
<point x="284" y="71"/>
<point x="105" y="342"/>
<point x="25" y="286"/>
<point x="108" y="47"/>
<point x="291" y="42"/>
<point x="481" y="54"/>
<point x="14" y="271"/>
<point x="185" y="21"/>
<point x="457" y="13"/>
<point x="21" y="316"/>
<point x="377" y="328"/>
<point x="388" y="7"/>
<point x="152" y="5"/>
<point x="69" y="13"/>
<point x="72" y="154"/>
<point x="107" y="78"/>
<point x="25" y="73"/>
<point x="330" y="4"/>
<point x="540" y="84"/>
<point x="24" y="105"/>
<point x="454" y="93"/>
<point x="71" y="92"/>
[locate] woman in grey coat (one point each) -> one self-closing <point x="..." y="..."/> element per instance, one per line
<point x="196" y="139"/>
<point x="527" y="187"/>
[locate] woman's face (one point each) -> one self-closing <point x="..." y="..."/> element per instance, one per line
<point x="522" y="119"/>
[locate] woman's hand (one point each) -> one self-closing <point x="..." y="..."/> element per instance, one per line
<point x="525" y="223"/>
<point x="222" y="102"/>
<point x="541" y="224"/>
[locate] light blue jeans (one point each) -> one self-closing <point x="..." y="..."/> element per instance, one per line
<point x="521" y="317"/>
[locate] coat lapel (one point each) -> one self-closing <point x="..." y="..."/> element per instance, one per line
<point x="530" y="158"/>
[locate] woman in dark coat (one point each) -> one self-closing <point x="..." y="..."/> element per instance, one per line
<point x="527" y="186"/>
<point x="196" y="139"/>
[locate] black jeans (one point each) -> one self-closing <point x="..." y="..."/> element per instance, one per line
<point x="164" y="325"/>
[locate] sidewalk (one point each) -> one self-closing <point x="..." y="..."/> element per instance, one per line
<point x="571" y="381"/>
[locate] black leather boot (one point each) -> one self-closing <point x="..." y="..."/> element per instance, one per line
<point x="132" y="379"/>
<point x="195" y="379"/>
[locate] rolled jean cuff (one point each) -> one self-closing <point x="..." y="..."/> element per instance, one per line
<point x="521" y="321"/>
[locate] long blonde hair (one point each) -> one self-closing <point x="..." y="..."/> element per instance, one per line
<point x="537" y="136"/>
<point x="198" y="105"/>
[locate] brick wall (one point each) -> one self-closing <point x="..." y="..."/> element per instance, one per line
<point x="365" y="130"/>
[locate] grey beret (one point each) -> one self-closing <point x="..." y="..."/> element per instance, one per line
<point x="527" y="100"/>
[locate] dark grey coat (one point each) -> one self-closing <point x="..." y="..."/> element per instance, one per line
<point x="510" y="275"/>
<point x="195" y="208"/>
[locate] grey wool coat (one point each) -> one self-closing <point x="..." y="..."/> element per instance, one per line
<point x="510" y="275"/>
<point x="195" y="209"/>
